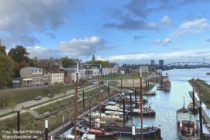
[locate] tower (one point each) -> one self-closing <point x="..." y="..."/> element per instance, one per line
<point x="161" y="63"/>
<point x="93" y="57"/>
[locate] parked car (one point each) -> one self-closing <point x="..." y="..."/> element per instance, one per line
<point x="50" y="95"/>
<point x="38" y="98"/>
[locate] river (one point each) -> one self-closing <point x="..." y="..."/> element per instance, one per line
<point x="166" y="104"/>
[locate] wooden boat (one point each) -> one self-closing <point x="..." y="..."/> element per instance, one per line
<point x="100" y="132"/>
<point x="186" y="125"/>
<point x="126" y="130"/>
<point x="148" y="132"/>
<point x="166" y="85"/>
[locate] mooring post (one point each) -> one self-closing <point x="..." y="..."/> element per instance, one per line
<point x="90" y="116"/>
<point x="46" y="129"/>
<point x="108" y="90"/>
<point x="18" y="122"/>
<point x="135" y="99"/>
<point x="201" y="123"/>
<point x="83" y="99"/>
<point x="193" y="99"/>
<point x="121" y="83"/>
<point x="124" y="111"/>
<point x="131" y="106"/>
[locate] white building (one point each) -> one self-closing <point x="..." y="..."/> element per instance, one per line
<point x="144" y="69"/>
<point x="31" y="76"/>
<point x="56" y="78"/>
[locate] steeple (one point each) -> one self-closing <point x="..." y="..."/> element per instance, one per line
<point x="93" y="57"/>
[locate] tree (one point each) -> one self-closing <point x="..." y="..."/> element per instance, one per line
<point x="19" y="54"/>
<point x="103" y="63"/>
<point x="6" y="69"/>
<point x="68" y="62"/>
<point x="2" y="48"/>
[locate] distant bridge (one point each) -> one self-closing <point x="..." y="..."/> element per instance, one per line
<point x="188" y="63"/>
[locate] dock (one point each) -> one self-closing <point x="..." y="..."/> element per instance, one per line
<point x="204" y="113"/>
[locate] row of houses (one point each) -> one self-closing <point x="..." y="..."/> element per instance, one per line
<point x="33" y="76"/>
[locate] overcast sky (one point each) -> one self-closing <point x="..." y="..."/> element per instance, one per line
<point x="122" y="31"/>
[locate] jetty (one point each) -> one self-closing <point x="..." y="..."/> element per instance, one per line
<point x="204" y="113"/>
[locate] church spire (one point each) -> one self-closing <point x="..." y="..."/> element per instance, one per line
<point x="93" y="57"/>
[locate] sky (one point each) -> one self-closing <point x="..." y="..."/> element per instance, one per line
<point x="120" y="31"/>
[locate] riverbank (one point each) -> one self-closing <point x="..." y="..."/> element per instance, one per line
<point x="203" y="90"/>
<point x="66" y="110"/>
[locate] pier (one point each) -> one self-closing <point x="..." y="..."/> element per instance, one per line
<point x="204" y="113"/>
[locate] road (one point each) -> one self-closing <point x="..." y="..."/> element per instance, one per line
<point x="43" y="100"/>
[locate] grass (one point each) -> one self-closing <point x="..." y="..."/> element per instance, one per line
<point x="64" y="103"/>
<point x="118" y="77"/>
<point x="19" y="96"/>
<point x="11" y="98"/>
<point x="203" y="89"/>
<point x="56" y="105"/>
<point x="28" y="122"/>
<point x="151" y="86"/>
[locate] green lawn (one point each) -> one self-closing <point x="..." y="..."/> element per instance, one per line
<point x="118" y="77"/>
<point x="9" y="98"/>
<point x="28" y="122"/>
<point x="203" y="89"/>
<point x="12" y="97"/>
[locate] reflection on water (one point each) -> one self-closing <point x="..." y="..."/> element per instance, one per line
<point x="166" y="104"/>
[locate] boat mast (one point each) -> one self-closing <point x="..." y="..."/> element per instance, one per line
<point x="141" y="102"/>
<point x="75" y="104"/>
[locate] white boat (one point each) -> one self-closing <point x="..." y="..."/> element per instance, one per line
<point x="105" y="117"/>
<point x="113" y="113"/>
<point x="86" y="136"/>
<point x="111" y="103"/>
<point x="71" y="137"/>
<point x="113" y="108"/>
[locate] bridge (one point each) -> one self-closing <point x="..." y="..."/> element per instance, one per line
<point x="188" y="63"/>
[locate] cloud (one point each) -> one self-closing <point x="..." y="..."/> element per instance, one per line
<point x="135" y="13"/>
<point x="208" y="40"/>
<point x="127" y="22"/>
<point x="192" y="26"/>
<point x="137" y="37"/>
<point x="163" y="42"/>
<point x="42" y="52"/>
<point x="166" y="20"/>
<point x="169" y="56"/>
<point x="82" y="47"/>
<point x="143" y="8"/>
<point x="21" y="19"/>
<point x="197" y="24"/>
<point x="85" y="46"/>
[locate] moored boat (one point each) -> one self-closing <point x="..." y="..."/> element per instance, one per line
<point x="150" y="93"/>
<point x="166" y="85"/>
<point x="186" y="125"/>
<point x="98" y="132"/>
<point x="145" y="111"/>
<point x="86" y="136"/>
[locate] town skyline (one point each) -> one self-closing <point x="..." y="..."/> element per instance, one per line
<point x="132" y="31"/>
